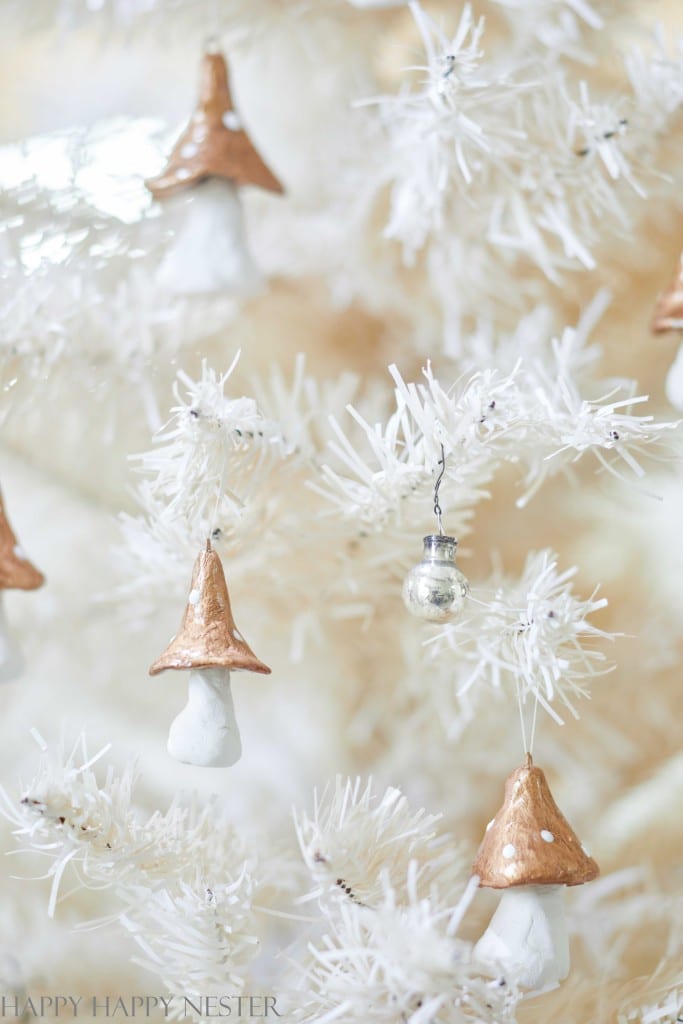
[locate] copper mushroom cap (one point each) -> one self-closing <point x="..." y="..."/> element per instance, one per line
<point x="16" y="572"/>
<point x="668" y="314"/>
<point x="213" y="145"/>
<point x="208" y="637"/>
<point x="530" y="842"/>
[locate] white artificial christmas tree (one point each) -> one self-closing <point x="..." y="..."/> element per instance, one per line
<point x="453" y="309"/>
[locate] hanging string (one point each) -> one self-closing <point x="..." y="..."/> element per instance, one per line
<point x="214" y="520"/>
<point x="527" y="748"/>
<point x="212" y="37"/>
<point x="533" y="726"/>
<point x="520" y="708"/>
<point x="437" y="507"/>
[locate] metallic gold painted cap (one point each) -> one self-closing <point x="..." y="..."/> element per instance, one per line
<point x="213" y="145"/>
<point x="668" y="314"/>
<point x="16" y="572"/>
<point x="208" y="637"/>
<point x="530" y="842"/>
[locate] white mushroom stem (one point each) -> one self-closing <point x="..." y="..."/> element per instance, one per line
<point x="209" y="251"/>
<point x="11" y="658"/>
<point x="205" y="732"/>
<point x="674" y="381"/>
<point x="527" y="936"/>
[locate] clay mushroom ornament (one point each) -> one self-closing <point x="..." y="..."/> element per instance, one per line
<point x="16" y="572"/>
<point x="668" y="316"/>
<point x="199" y="185"/>
<point x="209" y="645"/>
<point x="531" y="852"/>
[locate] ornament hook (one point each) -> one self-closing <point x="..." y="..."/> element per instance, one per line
<point x="438" y="512"/>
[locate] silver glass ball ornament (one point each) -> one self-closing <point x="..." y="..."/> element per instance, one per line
<point x="435" y="589"/>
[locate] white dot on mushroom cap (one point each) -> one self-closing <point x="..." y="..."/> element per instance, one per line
<point x="490" y="824"/>
<point x="194" y="597"/>
<point x="232" y="121"/>
<point x="189" y="149"/>
<point x="182" y="173"/>
<point x="19" y="552"/>
<point x="546" y="836"/>
<point x="509" y="851"/>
